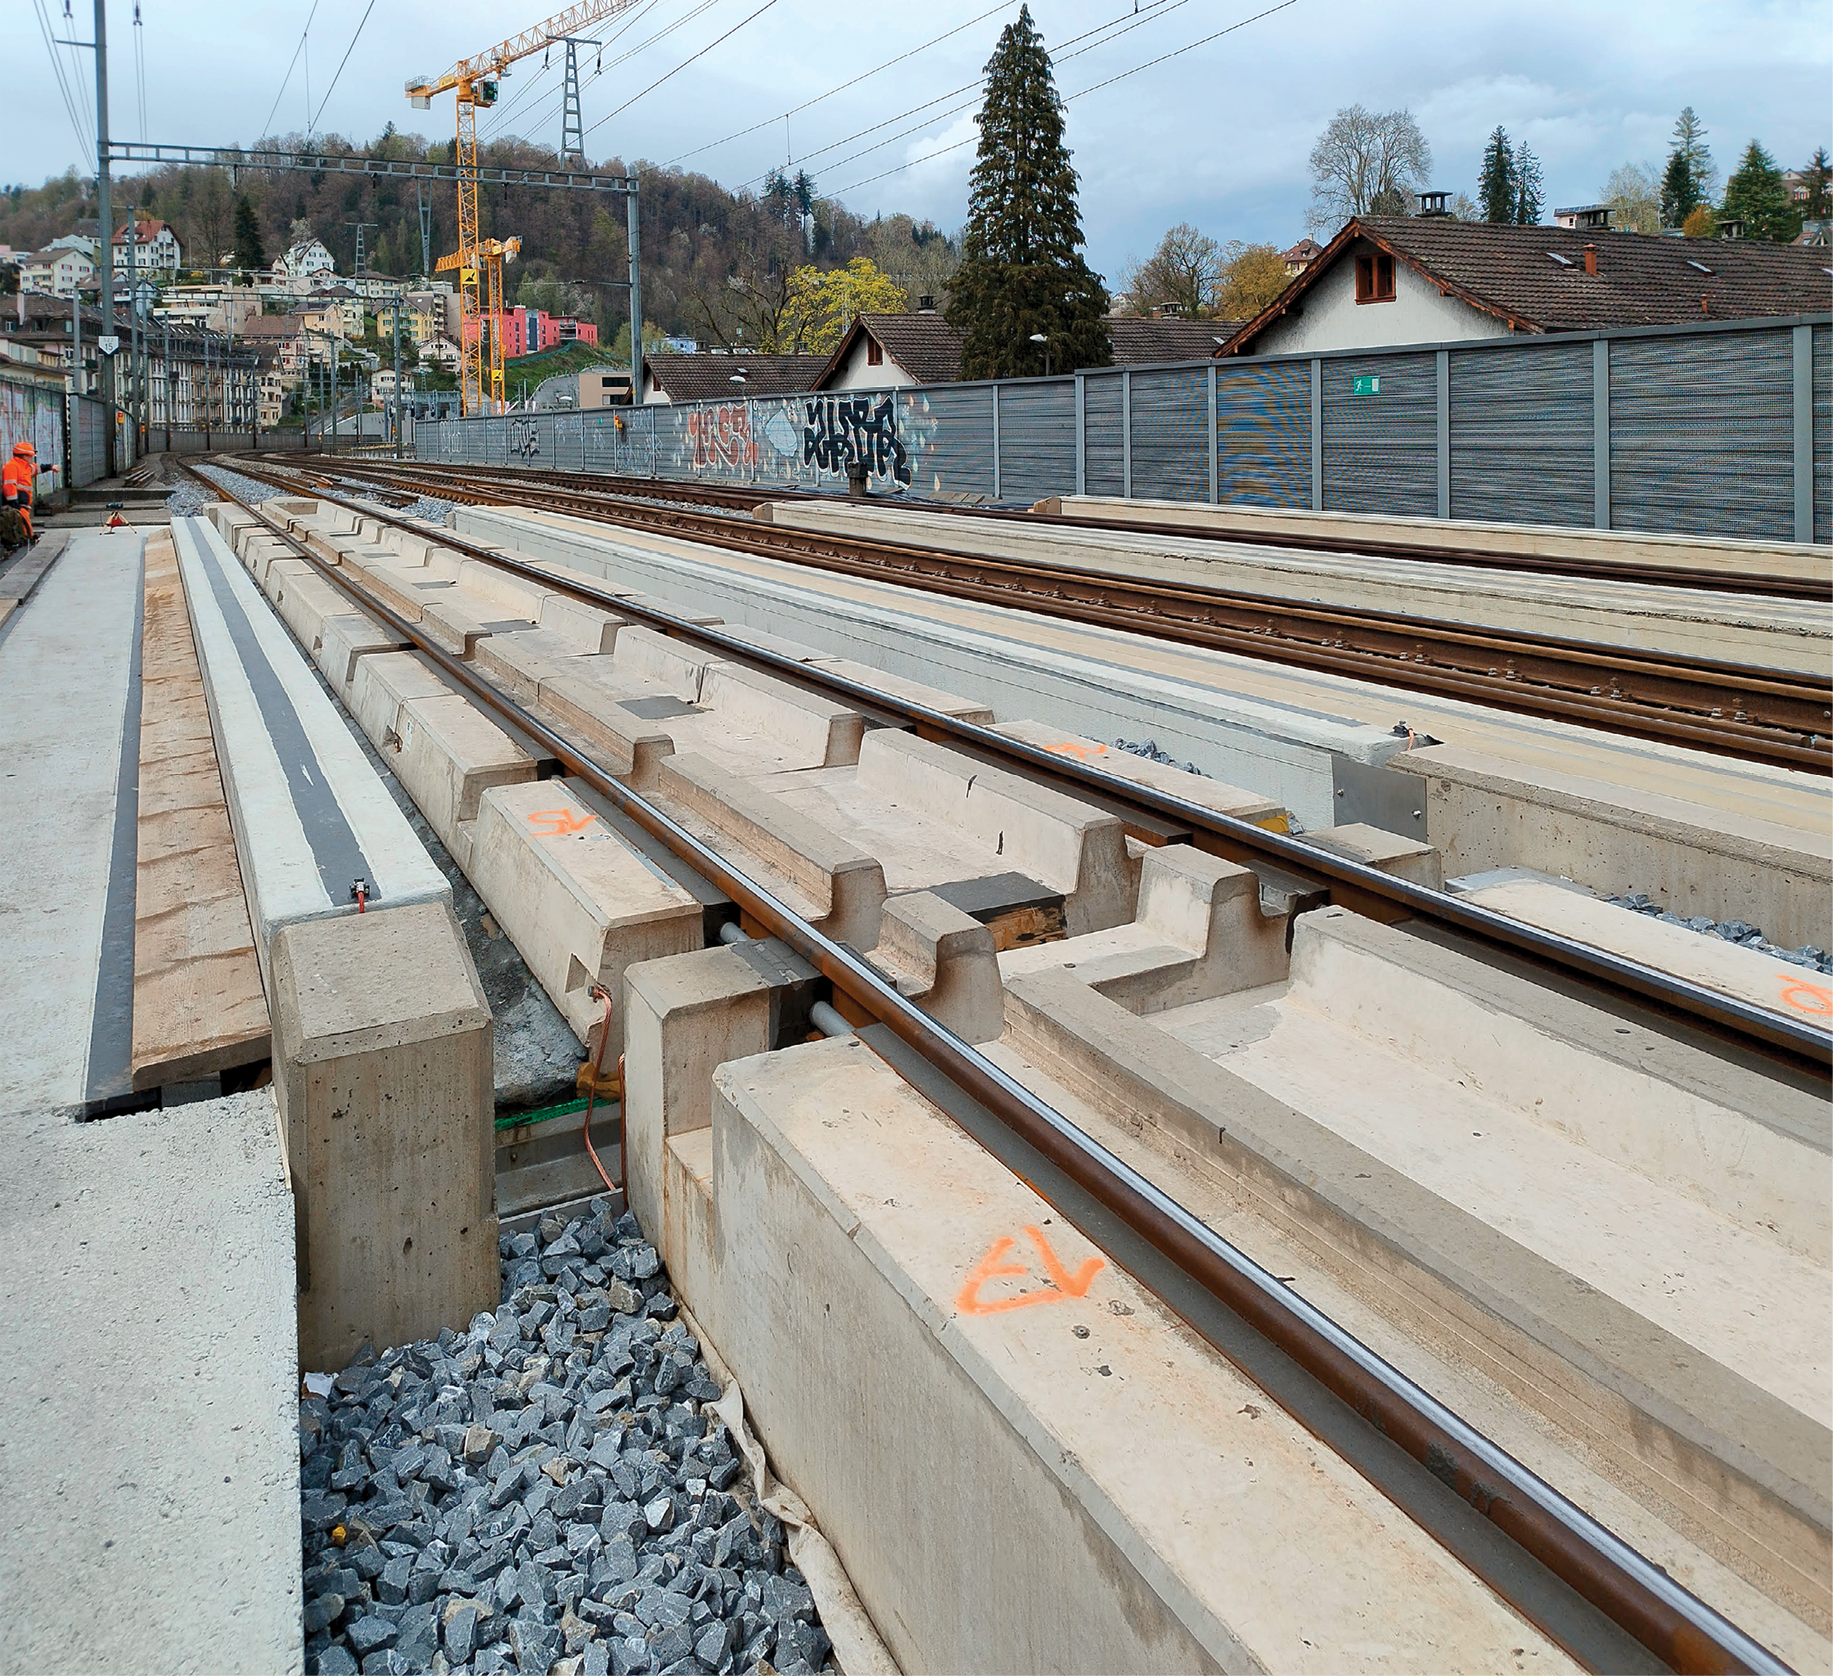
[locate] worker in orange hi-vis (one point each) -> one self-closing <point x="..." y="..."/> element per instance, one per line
<point x="18" y="480"/>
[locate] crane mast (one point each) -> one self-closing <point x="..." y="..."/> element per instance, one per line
<point x="474" y="80"/>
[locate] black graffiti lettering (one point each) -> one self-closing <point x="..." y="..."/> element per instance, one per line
<point x="843" y="429"/>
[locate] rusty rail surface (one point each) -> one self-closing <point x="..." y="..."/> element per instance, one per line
<point x="1756" y="715"/>
<point x="1567" y="1568"/>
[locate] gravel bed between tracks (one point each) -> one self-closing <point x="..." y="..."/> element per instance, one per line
<point x="548" y="1492"/>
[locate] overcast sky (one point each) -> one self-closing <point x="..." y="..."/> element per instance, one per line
<point x="1217" y="136"/>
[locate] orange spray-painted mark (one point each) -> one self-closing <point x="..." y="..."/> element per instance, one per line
<point x="1063" y="1284"/>
<point x="1080" y="749"/>
<point x="557" y="823"/>
<point x="1807" y="997"/>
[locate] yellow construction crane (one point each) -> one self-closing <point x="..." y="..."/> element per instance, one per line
<point x="482" y="333"/>
<point x="475" y="80"/>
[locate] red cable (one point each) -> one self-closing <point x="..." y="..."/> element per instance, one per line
<point x="585" y="1129"/>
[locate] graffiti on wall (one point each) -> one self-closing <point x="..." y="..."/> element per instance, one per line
<point x="719" y="438"/>
<point x="843" y="429"/>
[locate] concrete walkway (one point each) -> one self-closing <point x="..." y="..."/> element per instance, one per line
<point x="149" y="1462"/>
<point x="65" y="664"/>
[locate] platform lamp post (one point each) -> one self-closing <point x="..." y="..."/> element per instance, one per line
<point x="1043" y="338"/>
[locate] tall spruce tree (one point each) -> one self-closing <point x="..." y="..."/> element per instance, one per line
<point x="248" y="252"/>
<point x="1496" y="188"/>
<point x="1022" y="270"/>
<point x="1679" y="192"/>
<point x="1757" y="195"/>
<point x="1530" y="189"/>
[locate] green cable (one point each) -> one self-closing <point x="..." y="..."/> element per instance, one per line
<point x="520" y="1120"/>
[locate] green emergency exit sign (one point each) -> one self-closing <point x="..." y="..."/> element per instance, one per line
<point x="1368" y="386"/>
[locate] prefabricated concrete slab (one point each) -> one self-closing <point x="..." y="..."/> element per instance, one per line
<point x="148" y="1373"/>
<point x="65" y="668"/>
<point x="860" y="1256"/>
<point x="309" y="814"/>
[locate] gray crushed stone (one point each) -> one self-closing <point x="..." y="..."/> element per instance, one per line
<point x="547" y="1492"/>
<point x="1149" y="748"/>
<point x="1729" y="931"/>
<point x="187" y="500"/>
<point x="244" y="487"/>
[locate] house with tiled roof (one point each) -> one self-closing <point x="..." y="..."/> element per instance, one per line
<point x="1430" y="279"/>
<point x="1139" y="342"/>
<point x="889" y="351"/>
<point x="704" y="378"/>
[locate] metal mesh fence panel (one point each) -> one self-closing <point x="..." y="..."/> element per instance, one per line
<point x="1702" y="434"/>
<point x="1521" y="434"/>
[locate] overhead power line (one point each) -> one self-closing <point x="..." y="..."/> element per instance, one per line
<point x="1081" y="93"/>
<point x="292" y="64"/>
<point x="864" y="75"/>
<point x="57" y="70"/>
<point x="340" y="65"/>
<point x="680" y="67"/>
<point x="1123" y="24"/>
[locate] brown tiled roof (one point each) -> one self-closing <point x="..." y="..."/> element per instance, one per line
<point x="924" y="346"/>
<point x="1138" y="342"/>
<point x="1642" y="280"/>
<point x="271" y="326"/>
<point x="699" y="378"/>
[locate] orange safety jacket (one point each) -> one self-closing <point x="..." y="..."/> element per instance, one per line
<point x="16" y="481"/>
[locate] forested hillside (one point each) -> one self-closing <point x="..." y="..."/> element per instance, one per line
<point x="714" y="263"/>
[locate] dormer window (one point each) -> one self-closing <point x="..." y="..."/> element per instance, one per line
<point x="1375" y="278"/>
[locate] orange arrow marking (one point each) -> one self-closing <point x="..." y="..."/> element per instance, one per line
<point x="990" y="1267"/>
<point x="560" y="822"/>
<point x="1078" y="749"/>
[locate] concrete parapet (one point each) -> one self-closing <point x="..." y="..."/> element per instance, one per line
<point x="944" y="960"/>
<point x="1199" y="789"/>
<point x="1386" y="852"/>
<point x="1199" y="932"/>
<point x="859" y="1257"/>
<point x="682" y="1019"/>
<point x="1618" y="1228"/>
<point x="579" y="903"/>
<point x="1486" y="812"/>
<point x="840" y="885"/>
<point x="1067" y="845"/>
<point x="633" y="749"/>
<point x="449" y="754"/>
<point x="382" y="1062"/>
<point x="1747" y="974"/>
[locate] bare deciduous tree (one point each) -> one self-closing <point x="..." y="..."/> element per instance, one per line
<point x="1366" y="163"/>
<point x="1633" y="194"/>
<point x="1182" y="273"/>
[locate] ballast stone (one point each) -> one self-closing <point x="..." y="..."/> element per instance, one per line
<point x="598" y="1432"/>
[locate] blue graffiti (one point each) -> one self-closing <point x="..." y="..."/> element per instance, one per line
<point x="844" y="429"/>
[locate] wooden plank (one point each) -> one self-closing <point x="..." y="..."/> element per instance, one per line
<point x="198" y="1005"/>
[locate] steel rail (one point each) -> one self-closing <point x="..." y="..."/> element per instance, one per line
<point x="1640" y="1597"/>
<point x="1702" y="703"/>
<point x="1351" y="882"/>
<point x="1552" y="564"/>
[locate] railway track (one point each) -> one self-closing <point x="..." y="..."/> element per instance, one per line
<point x="742" y="498"/>
<point x="1605" y="1603"/>
<point x="1768" y="716"/>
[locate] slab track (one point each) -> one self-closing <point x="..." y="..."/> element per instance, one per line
<point x="1757" y="715"/>
<point x="1600" y="1599"/>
